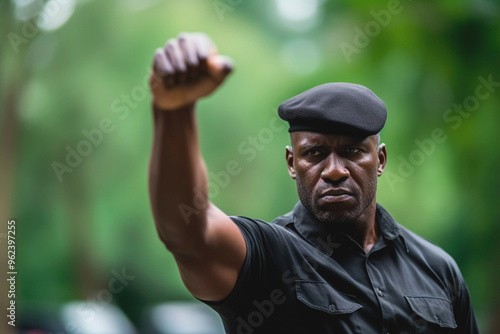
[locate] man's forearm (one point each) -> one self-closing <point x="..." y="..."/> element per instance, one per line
<point x="208" y="247"/>
<point x="177" y="178"/>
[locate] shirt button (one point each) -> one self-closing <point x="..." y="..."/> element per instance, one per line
<point x="437" y="319"/>
<point x="380" y="293"/>
<point x="331" y="308"/>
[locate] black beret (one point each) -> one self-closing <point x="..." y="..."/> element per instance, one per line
<point x="337" y="107"/>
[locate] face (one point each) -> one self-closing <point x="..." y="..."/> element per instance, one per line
<point x="336" y="175"/>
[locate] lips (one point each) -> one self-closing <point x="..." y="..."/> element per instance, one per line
<point x="335" y="195"/>
<point x="336" y="192"/>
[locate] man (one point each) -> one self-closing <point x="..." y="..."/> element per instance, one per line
<point x="338" y="263"/>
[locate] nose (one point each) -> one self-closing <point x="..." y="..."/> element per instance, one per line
<point x="334" y="169"/>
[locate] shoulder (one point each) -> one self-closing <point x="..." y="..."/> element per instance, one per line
<point x="260" y="230"/>
<point x="252" y="224"/>
<point x="418" y="249"/>
<point x="433" y="255"/>
<point x="443" y="266"/>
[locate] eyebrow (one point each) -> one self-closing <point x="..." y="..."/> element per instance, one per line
<point x="308" y="146"/>
<point x="356" y="141"/>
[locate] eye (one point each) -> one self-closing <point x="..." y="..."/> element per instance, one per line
<point x="353" y="150"/>
<point x="313" y="153"/>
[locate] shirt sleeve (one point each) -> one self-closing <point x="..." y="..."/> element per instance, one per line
<point x="254" y="271"/>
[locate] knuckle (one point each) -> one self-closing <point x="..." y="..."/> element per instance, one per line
<point x="183" y="36"/>
<point x="159" y="52"/>
<point x="171" y="44"/>
<point x="169" y="47"/>
<point x="192" y="62"/>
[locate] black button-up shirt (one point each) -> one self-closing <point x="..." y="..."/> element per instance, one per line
<point x="299" y="276"/>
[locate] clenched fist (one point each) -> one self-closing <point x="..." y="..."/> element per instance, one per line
<point x="186" y="69"/>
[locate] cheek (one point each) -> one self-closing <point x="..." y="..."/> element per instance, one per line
<point x="364" y="173"/>
<point x="307" y="174"/>
<point x="367" y="177"/>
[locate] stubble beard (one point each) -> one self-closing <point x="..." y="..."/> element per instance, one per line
<point x="336" y="219"/>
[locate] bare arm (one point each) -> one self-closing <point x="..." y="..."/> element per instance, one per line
<point x="208" y="247"/>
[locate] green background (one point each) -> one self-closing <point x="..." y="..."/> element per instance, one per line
<point x="78" y="224"/>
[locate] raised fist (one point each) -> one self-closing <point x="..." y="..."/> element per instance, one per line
<point x="186" y="69"/>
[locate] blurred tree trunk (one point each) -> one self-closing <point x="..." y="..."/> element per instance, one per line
<point x="13" y="81"/>
<point x="83" y="267"/>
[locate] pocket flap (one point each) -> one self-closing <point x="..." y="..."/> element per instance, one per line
<point x="435" y="310"/>
<point x="323" y="297"/>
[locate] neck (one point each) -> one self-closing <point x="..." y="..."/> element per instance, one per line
<point x="364" y="230"/>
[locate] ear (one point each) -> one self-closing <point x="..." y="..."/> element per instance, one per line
<point x="289" y="162"/>
<point x="382" y="159"/>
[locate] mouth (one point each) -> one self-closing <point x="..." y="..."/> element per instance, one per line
<point x="335" y="195"/>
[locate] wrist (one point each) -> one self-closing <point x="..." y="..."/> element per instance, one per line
<point x="182" y="108"/>
<point x="179" y="116"/>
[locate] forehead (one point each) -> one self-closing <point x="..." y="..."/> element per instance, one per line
<point x="306" y="138"/>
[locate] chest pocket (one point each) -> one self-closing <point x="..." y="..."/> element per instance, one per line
<point x="433" y="311"/>
<point x="322" y="297"/>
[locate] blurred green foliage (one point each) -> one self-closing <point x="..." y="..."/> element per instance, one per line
<point x="423" y="60"/>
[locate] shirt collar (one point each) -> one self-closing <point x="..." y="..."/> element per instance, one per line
<point x="326" y="240"/>
<point x="388" y="227"/>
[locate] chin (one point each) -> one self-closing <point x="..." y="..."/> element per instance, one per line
<point x="337" y="217"/>
<point x="336" y="211"/>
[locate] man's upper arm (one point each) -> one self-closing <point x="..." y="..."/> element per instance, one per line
<point x="212" y="272"/>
